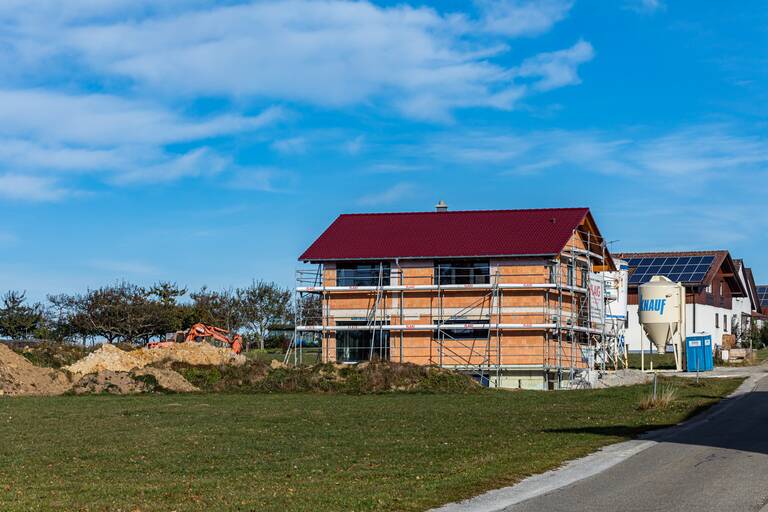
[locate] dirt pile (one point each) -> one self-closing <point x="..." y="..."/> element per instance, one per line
<point x="20" y="377"/>
<point x="111" y="358"/>
<point x="108" y="381"/>
<point x="197" y="354"/>
<point x="49" y="354"/>
<point x="144" y="380"/>
<point x="167" y="379"/>
<point x="623" y="378"/>
<point x="364" y="378"/>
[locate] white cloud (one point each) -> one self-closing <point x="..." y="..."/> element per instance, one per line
<point x="355" y="146"/>
<point x="693" y="154"/>
<point x="98" y="120"/>
<point x="329" y="52"/>
<point x="387" y="196"/>
<point x="557" y="69"/>
<point x="522" y="17"/>
<point x="31" y="188"/>
<point x="46" y="133"/>
<point x="291" y="146"/>
<point x="262" y="178"/>
<point x="701" y="151"/>
<point x="198" y="162"/>
<point x="133" y="76"/>
<point x="645" y="6"/>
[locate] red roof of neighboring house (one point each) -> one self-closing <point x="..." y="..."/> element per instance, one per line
<point x="450" y="234"/>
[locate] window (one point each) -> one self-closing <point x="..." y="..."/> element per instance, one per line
<point x="584" y="278"/>
<point x="465" y="331"/>
<point x="717" y="321"/>
<point x="462" y="272"/>
<point x="569" y="278"/>
<point x="363" y="274"/>
<point x="721" y="289"/>
<point x="362" y="345"/>
<point x="709" y="288"/>
<point x="725" y="323"/>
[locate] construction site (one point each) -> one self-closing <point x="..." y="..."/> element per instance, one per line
<point x="516" y="298"/>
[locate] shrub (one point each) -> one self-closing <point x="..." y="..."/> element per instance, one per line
<point x="364" y="378"/>
<point x="664" y="398"/>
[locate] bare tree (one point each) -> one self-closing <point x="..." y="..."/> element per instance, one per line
<point x="222" y="309"/>
<point x="263" y="305"/>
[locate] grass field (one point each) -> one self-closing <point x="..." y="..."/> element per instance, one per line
<point x="660" y="361"/>
<point x="310" y="452"/>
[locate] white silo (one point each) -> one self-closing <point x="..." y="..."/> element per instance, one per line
<point x="662" y="314"/>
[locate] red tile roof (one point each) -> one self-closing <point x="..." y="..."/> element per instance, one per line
<point x="449" y="234"/>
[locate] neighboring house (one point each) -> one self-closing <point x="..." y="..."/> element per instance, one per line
<point x="712" y="284"/>
<point x="747" y="308"/>
<point x="762" y="297"/>
<point x="502" y="294"/>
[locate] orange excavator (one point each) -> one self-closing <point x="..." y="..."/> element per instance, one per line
<point x="201" y="332"/>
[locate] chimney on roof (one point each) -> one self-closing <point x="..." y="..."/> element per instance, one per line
<point x="441" y="206"/>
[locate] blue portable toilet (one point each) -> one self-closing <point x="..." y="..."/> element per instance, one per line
<point x="698" y="353"/>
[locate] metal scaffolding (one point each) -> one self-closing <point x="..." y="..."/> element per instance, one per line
<point x="475" y="337"/>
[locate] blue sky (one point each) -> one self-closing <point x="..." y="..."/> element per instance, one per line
<point x="208" y="143"/>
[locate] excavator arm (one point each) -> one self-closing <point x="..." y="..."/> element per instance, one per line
<point x="200" y="330"/>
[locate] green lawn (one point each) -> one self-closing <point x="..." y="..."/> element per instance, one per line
<point x="311" y="355"/>
<point x="660" y="361"/>
<point x="289" y="452"/>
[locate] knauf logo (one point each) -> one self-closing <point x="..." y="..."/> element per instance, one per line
<point x="653" y="305"/>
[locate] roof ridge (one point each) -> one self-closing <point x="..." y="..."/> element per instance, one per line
<point x="666" y="253"/>
<point x="513" y="210"/>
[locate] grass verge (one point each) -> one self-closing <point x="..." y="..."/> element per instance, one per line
<point x="307" y="452"/>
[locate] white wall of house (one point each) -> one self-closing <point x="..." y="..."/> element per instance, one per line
<point x="743" y="306"/>
<point x="709" y="320"/>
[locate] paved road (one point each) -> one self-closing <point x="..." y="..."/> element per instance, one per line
<point x="717" y="465"/>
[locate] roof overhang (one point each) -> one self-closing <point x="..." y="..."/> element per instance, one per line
<point x="427" y="258"/>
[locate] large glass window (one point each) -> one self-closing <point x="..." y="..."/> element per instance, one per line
<point x="362" y="345"/>
<point x="465" y="330"/>
<point x="462" y="272"/>
<point x="363" y="274"/>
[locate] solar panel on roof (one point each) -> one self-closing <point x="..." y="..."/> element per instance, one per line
<point x="762" y="294"/>
<point x="685" y="269"/>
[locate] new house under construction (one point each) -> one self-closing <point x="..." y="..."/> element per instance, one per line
<point x="514" y="297"/>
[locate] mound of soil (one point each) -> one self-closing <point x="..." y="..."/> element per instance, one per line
<point x="167" y="379"/>
<point x="623" y="378"/>
<point x="145" y="380"/>
<point x="49" y="354"/>
<point x="364" y="378"/>
<point x="114" y="383"/>
<point x="108" y="358"/>
<point x="20" y="377"/>
<point x="111" y="358"/>
<point x="195" y="354"/>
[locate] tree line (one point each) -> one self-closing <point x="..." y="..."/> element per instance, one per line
<point x="130" y="313"/>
